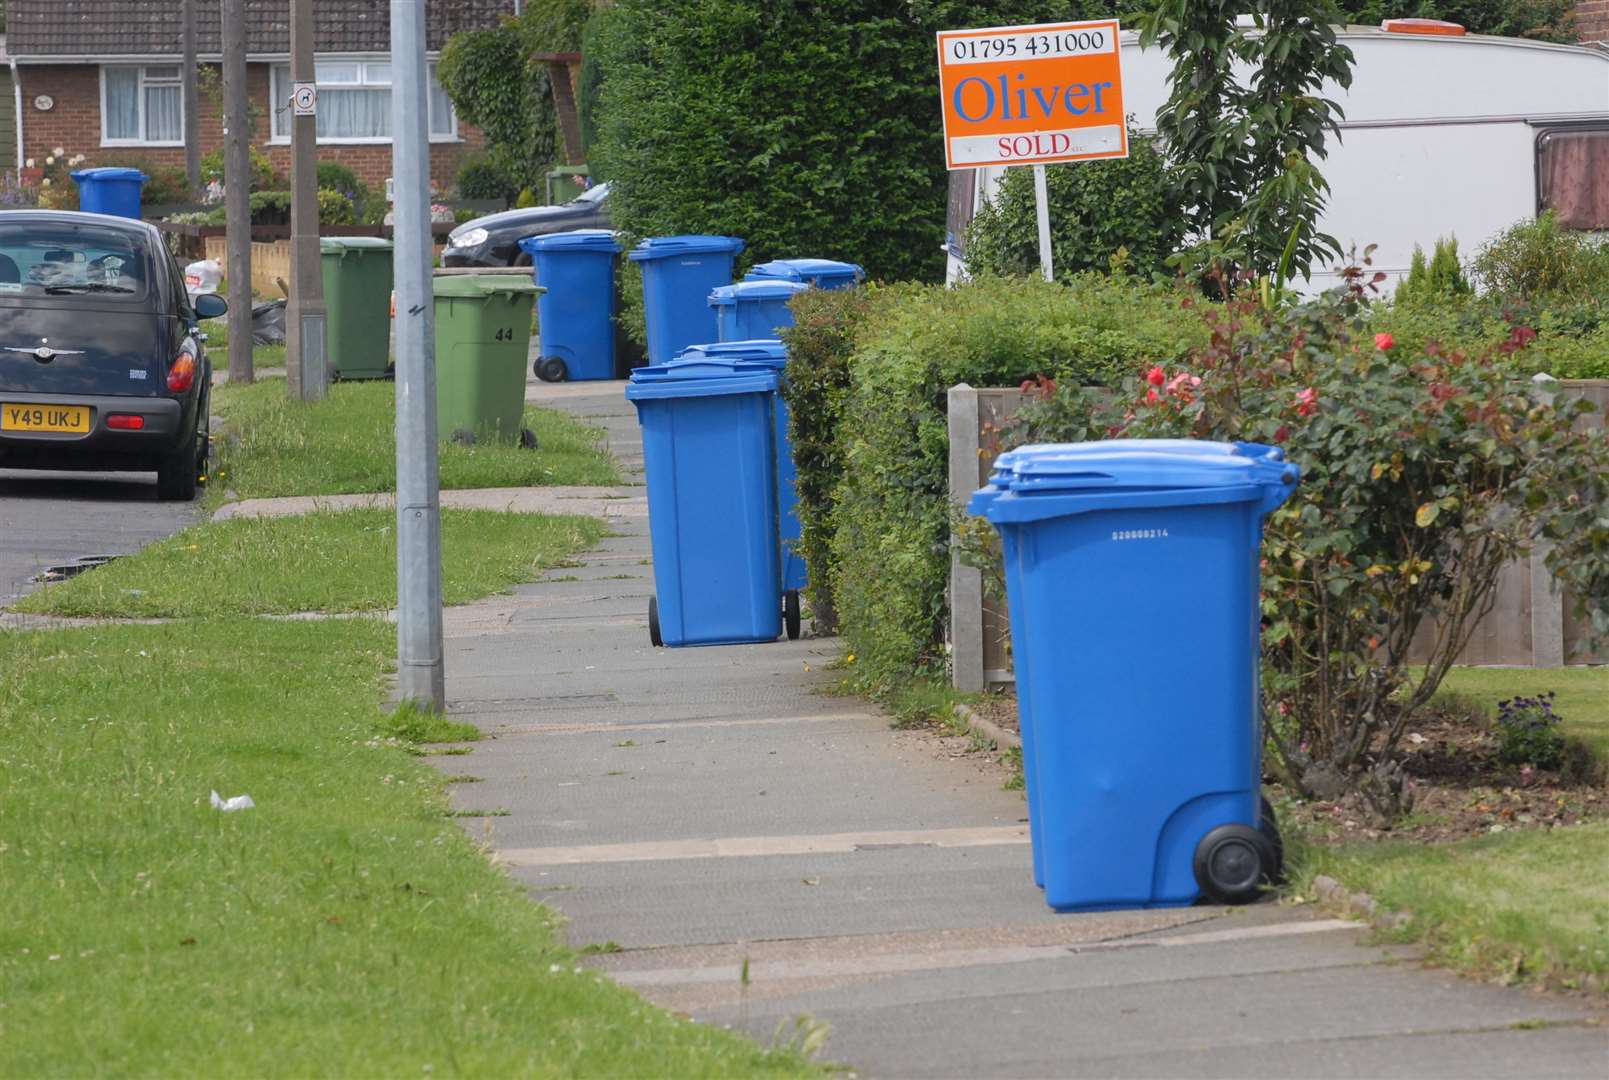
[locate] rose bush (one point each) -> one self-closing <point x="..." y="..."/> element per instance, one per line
<point x="1422" y="476"/>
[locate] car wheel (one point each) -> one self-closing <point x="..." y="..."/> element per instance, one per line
<point x="178" y="474"/>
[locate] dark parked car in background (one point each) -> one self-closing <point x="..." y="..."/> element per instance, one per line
<point x="494" y="240"/>
<point x="102" y="365"/>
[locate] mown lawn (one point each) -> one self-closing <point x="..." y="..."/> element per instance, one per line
<point x="1523" y="905"/>
<point x="344" y="927"/>
<point x="270" y="446"/>
<point x="337" y="561"/>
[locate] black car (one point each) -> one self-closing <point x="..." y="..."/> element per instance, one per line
<point x="101" y="362"/>
<point x="494" y="240"/>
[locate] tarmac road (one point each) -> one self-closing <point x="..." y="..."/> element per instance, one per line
<point x="49" y="518"/>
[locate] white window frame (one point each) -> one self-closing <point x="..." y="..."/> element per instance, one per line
<point x="140" y="92"/>
<point x="279" y="87"/>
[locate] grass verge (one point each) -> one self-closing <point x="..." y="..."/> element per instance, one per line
<point x="1520" y="906"/>
<point x="346" y="444"/>
<point x="344" y="927"/>
<point x="338" y="561"/>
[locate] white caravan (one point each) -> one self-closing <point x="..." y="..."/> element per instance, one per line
<point x="1443" y="136"/>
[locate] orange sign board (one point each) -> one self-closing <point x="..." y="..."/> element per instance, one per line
<point x="1031" y="95"/>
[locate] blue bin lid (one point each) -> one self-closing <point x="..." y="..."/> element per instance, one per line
<point x="727" y="295"/>
<point x="109" y="172"/>
<point x="602" y="240"/>
<point x="767" y="351"/>
<point x="667" y="247"/>
<point x="806" y="270"/>
<point x="1143" y="464"/>
<point x="703" y="376"/>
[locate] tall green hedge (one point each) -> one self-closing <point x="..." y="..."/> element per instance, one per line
<point x="869" y="401"/>
<point x="807" y="128"/>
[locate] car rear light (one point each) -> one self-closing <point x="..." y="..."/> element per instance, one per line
<point x="125" y="422"/>
<point x="182" y="373"/>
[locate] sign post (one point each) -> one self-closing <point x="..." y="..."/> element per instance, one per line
<point x="1032" y="95"/>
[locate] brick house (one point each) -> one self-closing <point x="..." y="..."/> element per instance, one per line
<point x="101" y="78"/>
<point x="1592" y="20"/>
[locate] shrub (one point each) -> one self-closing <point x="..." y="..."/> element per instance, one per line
<point x="1528" y="732"/>
<point x="335" y="208"/>
<point x="1422" y="476"/>
<point x="889" y="559"/>
<point x="1101" y="213"/>
<point x="333" y="176"/>
<point x="827" y="323"/>
<point x="806" y="129"/>
<point x="1438" y="281"/>
<point x="1542" y="263"/>
<point x="263" y="177"/>
<point x="166" y="184"/>
<point x="270" y="207"/>
<point x="478" y="178"/>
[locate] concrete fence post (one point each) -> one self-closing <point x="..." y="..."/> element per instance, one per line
<point x="966" y="582"/>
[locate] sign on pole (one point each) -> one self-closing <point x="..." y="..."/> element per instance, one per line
<point x="304" y="99"/>
<point x="1032" y="95"/>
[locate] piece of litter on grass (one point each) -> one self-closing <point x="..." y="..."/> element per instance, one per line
<point x="1415" y="738"/>
<point x="239" y="802"/>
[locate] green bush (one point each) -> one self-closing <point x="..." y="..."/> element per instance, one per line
<point x="270" y="207"/>
<point x="478" y="178"/>
<point x="827" y="323"/>
<point x="263" y="176"/>
<point x="333" y="176"/>
<point x="806" y="129"/>
<point x="889" y="559"/>
<point x="1102" y="213"/>
<point x="1542" y="263"/>
<point x="1437" y="281"/>
<point x="335" y="208"/>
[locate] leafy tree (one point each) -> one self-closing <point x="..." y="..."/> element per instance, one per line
<point x="1244" y="150"/>
<point x="1103" y="214"/>
<point x="1438" y="279"/>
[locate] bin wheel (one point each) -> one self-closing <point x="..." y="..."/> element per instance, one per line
<point x="790" y="613"/>
<point x="527" y="439"/>
<point x="550" y="369"/>
<point x="1268" y="825"/>
<point x="653" y="622"/>
<point x="463" y="437"/>
<point x="1232" y="863"/>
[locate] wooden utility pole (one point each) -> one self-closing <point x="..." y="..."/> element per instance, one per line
<point x="237" y="187"/>
<point x="189" y="101"/>
<point x="305" y="370"/>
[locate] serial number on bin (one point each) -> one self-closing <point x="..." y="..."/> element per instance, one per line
<point x="1139" y="534"/>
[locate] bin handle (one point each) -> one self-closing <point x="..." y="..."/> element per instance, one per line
<point x="492" y="288"/>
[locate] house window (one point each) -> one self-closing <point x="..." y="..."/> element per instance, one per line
<point x="141" y="106"/>
<point x="354" y="102"/>
<point x="1572" y="167"/>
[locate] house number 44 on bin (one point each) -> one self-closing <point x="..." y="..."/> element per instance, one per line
<point x="1139" y="534"/>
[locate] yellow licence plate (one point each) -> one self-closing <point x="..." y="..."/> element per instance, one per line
<point x="71" y="418"/>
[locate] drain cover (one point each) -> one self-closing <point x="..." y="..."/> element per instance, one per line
<point x="74" y="568"/>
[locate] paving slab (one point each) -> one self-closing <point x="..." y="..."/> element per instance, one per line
<point x="758" y="849"/>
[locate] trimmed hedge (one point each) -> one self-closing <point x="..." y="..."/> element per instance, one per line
<point x="807" y="129"/>
<point x="870" y="396"/>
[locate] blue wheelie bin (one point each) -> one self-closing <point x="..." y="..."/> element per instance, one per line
<point x="751" y="310"/>
<point x="709" y="451"/>
<point x="110" y="190"/>
<point x="1132" y="577"/>
<point x="822" y="273"/>
<point x="678" y="273"/>
<point x="772" y="354"/>
<point x="576" y="316"/>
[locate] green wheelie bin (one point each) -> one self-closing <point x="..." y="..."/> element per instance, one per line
<point x="357" y="302"/>
<point x="483" y="336"/>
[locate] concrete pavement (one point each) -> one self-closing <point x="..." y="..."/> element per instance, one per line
<point x="748" y="848"/>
